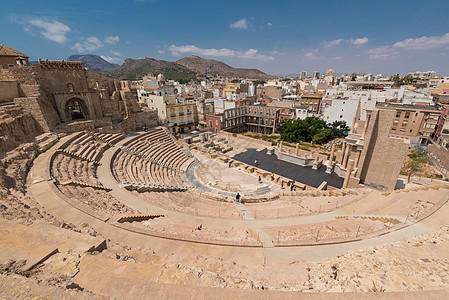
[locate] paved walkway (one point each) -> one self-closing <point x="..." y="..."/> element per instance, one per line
<point x="41" y="191"/>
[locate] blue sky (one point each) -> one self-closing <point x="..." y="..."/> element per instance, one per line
<point x="278" y="37"/>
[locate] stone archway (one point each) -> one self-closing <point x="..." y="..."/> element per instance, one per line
<point x="76" y="109"/>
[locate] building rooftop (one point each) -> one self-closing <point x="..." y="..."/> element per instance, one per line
<point x="419" y="106"/>
<point x="280" y="103"/>
<point x="6" y="51"/>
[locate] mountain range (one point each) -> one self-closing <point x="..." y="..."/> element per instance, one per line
<point x="94" y="62"/>
<point x="183" y="70"/>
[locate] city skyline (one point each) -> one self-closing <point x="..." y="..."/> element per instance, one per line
<point x="287" y="38"/>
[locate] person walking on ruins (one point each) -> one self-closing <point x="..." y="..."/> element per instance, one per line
<point x="237" y="197"/>
<point x="230" y="163"/>
<point x="256" y="163"/>
<point x="260" y="180"/>
<point x="272" y="176"/>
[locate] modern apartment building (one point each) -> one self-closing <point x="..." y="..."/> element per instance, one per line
<point x="413" y="122"/>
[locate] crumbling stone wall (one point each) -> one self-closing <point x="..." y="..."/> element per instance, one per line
<point x="8" y="90"/>
<point x="16" y="127"/>
<point x="440" y="153"/>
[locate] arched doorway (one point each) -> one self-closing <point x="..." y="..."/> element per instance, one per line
<point x="76" y="109"/>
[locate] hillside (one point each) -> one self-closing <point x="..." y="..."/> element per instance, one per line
<point x="94" y="62"/>
<point x="202" y="65"/>
<point x="136" y="68"/>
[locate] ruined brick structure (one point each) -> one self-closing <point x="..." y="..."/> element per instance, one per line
<point x="63" y="95"/>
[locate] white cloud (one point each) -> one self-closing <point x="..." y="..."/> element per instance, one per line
<point x="89" y="44"/>
<point x="339" y="57"/>
<point x="424" y="42"/>
<point x="313" y="56"/>
<point x="111" y="40"/>
<point x="254" y="54"/>
<point x="333" y="43"/>
<point x="382" y="52"/>
<point x="191" y="49"/>
<point x="115" y="53"/>
<point x="360" y="41"/>
<point x="161" y="51"/>
<point x="269" y="24"/>
<point x="113" y="60"/>
<point x="240" y="24"/>
<point x="54" y="31"/>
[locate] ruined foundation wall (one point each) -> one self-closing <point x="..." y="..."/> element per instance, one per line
<point x="16" y="127"/>
<point x="8" y="90"/>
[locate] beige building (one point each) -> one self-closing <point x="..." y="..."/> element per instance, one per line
<point x="413" y="122"/>
<point x="177" y="114"/>
<point x="10" y="58"/>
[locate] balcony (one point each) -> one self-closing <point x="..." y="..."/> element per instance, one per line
<point x="181" y="113"/>
<point x="172" y="114"/>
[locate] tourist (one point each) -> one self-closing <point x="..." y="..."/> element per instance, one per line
<point x="230" y="163"/>
<point x="272" y="176"/>
<point x="256" y="163"/>
<point x="260" y="179"/>
<point x="282" y="185"/>
<point x="237" y="197"/>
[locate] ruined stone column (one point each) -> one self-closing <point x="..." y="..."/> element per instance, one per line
<point x="353" y="125"/>
<point x="280" y="145"/>
<point x="348" y="175"/>
<point x="331" y="158"/>
<point x="357" y="157"/>
<point x="368" y="117"/>
<point x="297" y="149"/>
<point x="346" y="156"/>
<point x="342" y="153"/>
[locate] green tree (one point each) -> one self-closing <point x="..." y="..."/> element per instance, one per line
<point x="312" y="129"/>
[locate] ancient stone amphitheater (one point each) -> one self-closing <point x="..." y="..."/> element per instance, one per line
<point x="142" y="215"/>
<point x="91" y="207"/>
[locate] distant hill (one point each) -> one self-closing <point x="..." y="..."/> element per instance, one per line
<point x="203" y="65"/>
<point x="94" y="62"/>
<point x="183" y="70"/>
<point x="137" y="68"/>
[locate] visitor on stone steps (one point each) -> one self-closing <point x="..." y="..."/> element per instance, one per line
<point x="272" y="176"/>
<point x="260" y="179"/>
<point x="256" y="163"/>
<point x="237" y="197"/>
<point x="230" y="163"/>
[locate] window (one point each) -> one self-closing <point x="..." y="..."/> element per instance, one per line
<point x="407" y="115"/>
<point x="402" y="130"/>
<point x="393" y="129"/>
<point x="216" y="122"/>
<point x="398" y="114"/>
<point x="210" y="124"/>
